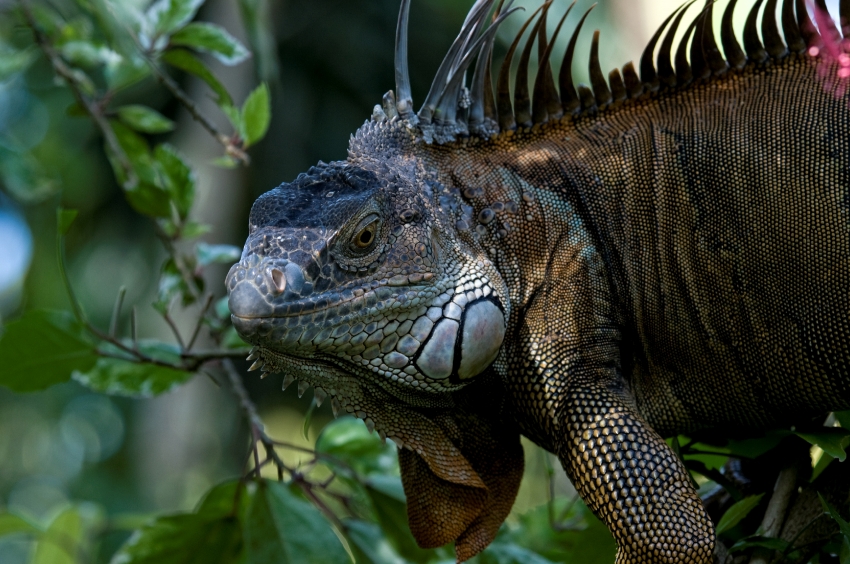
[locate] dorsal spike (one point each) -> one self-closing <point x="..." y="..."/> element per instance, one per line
<point x="734" y="54"/>
<point x="448" y="67"/>
<point x="546" y="103"/>
<point x="482" y="106"/>
<point x="588" y="100"/>
<point x="522" y="100"/>
<point x="844" y="16"/>
<point x="790" y="29"/>
<point x="666" y="73"/>
<point x="597" y="79"/>
<point x="634" y="87"/>
<point x="683" y="70"/>
<point x="831" y="30"/>
<point x="404" y="99"/>
<point x="648" y="73"/>
<point x="752" y="43"/>
<point x="714" y="59"/>
<point x="804" y="23"/>
<point x="699" y="66"/>
<point x="618" y="87"/>
<point x="773" y="43"/>
<point x="503" y="88"/>
<point x="570" y="100"/>
<point x="449" y="103"/>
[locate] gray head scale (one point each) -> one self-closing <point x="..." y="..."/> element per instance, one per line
<point x="356" y="271"/>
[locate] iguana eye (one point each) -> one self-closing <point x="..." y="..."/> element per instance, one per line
<point x="366" y="235"/>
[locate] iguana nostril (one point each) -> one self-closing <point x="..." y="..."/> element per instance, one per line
<point x="279" y="280"/>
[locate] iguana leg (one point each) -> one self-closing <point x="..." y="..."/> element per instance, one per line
<point x="631" y="479"/>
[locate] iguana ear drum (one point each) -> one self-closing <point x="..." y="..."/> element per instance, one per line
<point x="464" y="341"/>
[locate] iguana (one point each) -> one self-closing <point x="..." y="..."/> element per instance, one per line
<point x="595" y="268"/>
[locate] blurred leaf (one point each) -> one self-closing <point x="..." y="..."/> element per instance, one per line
<point x="125" y="71"/>
<point x="167" y="16"/>
<point x="256" y="114"/>
<point x="391" y="511"/>
<point x="211" y="535"/>
<point x="192" y="229"/>
<point x="186" y="61"/>
<point x="225" y="161"/>
<point x="222" y="310"/>
<point x="350" y="441"/>
<point x="369" y="544"/>
<point x="131" y="378"/>
<point x="147" y="197"/>
<point x="760" y="542"/>
<point x="509" y="553"/>
<point x="177" y="178"/>
<point x="42" y="348"/>
<point x="63" y="540"/>
<point x="843" y="418"/>
<point x="831" y="440"/>
<point x="232" y="340"/>
<point x="212" y="39"/>
<point x="235" y="118"/>
<point x="144" y="119"/>
<point x="11" y="524"/>
<point x="282" y="528"/>
<point x="64" y="219"/>
<point x="88" y="54"/>
<point x="27" y="179"/>
<point x="737" y="512"/>
<point x="225" y="254"/>
<point x="753" y="448"/>
<point x="13" y="62"/>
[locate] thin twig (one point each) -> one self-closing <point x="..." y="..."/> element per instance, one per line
<point x="174" y="330"/>
<point x="76" y="86"/>
<point x="200" y="322"/>
<point x="116" y="311"/>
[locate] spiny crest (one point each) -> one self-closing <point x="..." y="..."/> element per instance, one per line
<point x="453" y="110"/>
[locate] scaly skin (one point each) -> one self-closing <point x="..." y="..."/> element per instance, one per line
<point x="676" y="263"/>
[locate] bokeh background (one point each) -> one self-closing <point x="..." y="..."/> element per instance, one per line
<point x="327" y="63"/>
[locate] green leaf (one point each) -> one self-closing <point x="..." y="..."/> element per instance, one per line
<point x="843" y="418"/>
<point x="61" y="543"/>
<point x="13" y="62"/>
<point x="125" y="71"/>
<point x="148" y="197"/>
<point x="211" y="535"/>
<point x="119" y="377"/>
<point x="234" y="117"/>
<point x="11" y="524"/>
<point x="209" y="254"/>
<point x="64" y="219"/>
<point x="369" y="544"/>
<point x="88" y="54"/>
<point x="831" y="440"/>
<point x="737" y="512"/>
<point x="282" y="528"/>
<point x="759" y="542"/>
<point x="349" y="440"/>
<point x="167" y="16"/>
<point x="753" y="448"/>
<point x="176" y="177"/>
<point x="225" y="161"/>
<point x="391" y="511"/>
<point x="186" y="61"/>
<point x="192" y="229"/>
<point x="256" y="114"/>
<point x="510" y="553"/>
<point x="212" y="39"/>
<point x="144" y="119"/>
<point x="42" y="348"/>
<point x="843" y="526"/>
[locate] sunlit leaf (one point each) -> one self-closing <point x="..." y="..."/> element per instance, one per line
<point x="369" y="544"/>
<point x="186" y="61"/>
<point x="212" y="39"/>
<point x="88" y="54"/>
<point x="167" y="16"/>
<point x="61" y="543"/>
<point x="177" y="177"/>
<point x="43" y="348"/>
<point x="224" y="254"/>
<point x="832" y="440"/>
<point x="349" y="440"/>
<point x="144" y="119"/>
<point x="737" y="512"/>
<point x="64" y="219"/>
<point x="256" y="114"/>
<point x="11" y="524"/>
<point x="211" y="535"/>
<point x="280" y="527"/>
<point x="119" y="377"/>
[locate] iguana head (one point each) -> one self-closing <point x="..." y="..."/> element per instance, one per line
<point x="358" y="267"/>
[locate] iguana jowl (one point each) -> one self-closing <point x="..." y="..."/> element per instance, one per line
<point x="594" y="268"/>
